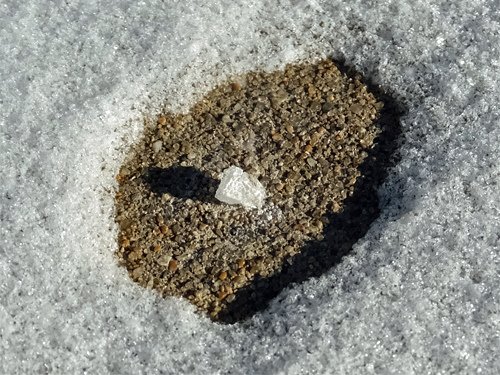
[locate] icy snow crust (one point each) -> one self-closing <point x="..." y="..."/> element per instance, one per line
<point x="419" y="293"/>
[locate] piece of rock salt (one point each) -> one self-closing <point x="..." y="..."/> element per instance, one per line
<point x="238" y="187"/>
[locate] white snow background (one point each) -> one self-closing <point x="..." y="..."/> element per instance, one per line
<point x="418" y="294"/>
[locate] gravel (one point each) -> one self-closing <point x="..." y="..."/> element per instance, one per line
<point x="302" y="132"/>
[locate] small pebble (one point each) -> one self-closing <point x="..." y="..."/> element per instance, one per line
<point x="311" y="162"/>
<point x="125" y="242"/>
<point x="162" y="120"/>
<point x="164" y="260"/>
<point x="356" y="108"/>
<point x="157" y="146"/>
<point x="137" y="272"/>
<point x="222" y="294"/>
<point x="164" y="229"/>
<point x="327" y="107"/>
<point x="235" y="86"/>
<point x="277" y="137"/>
<point x="172" y="265"/>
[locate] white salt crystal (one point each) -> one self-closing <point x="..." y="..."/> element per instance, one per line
<point x="238" y="187"/>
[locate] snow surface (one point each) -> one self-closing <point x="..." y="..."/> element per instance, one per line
<point x="418" y="294"/>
